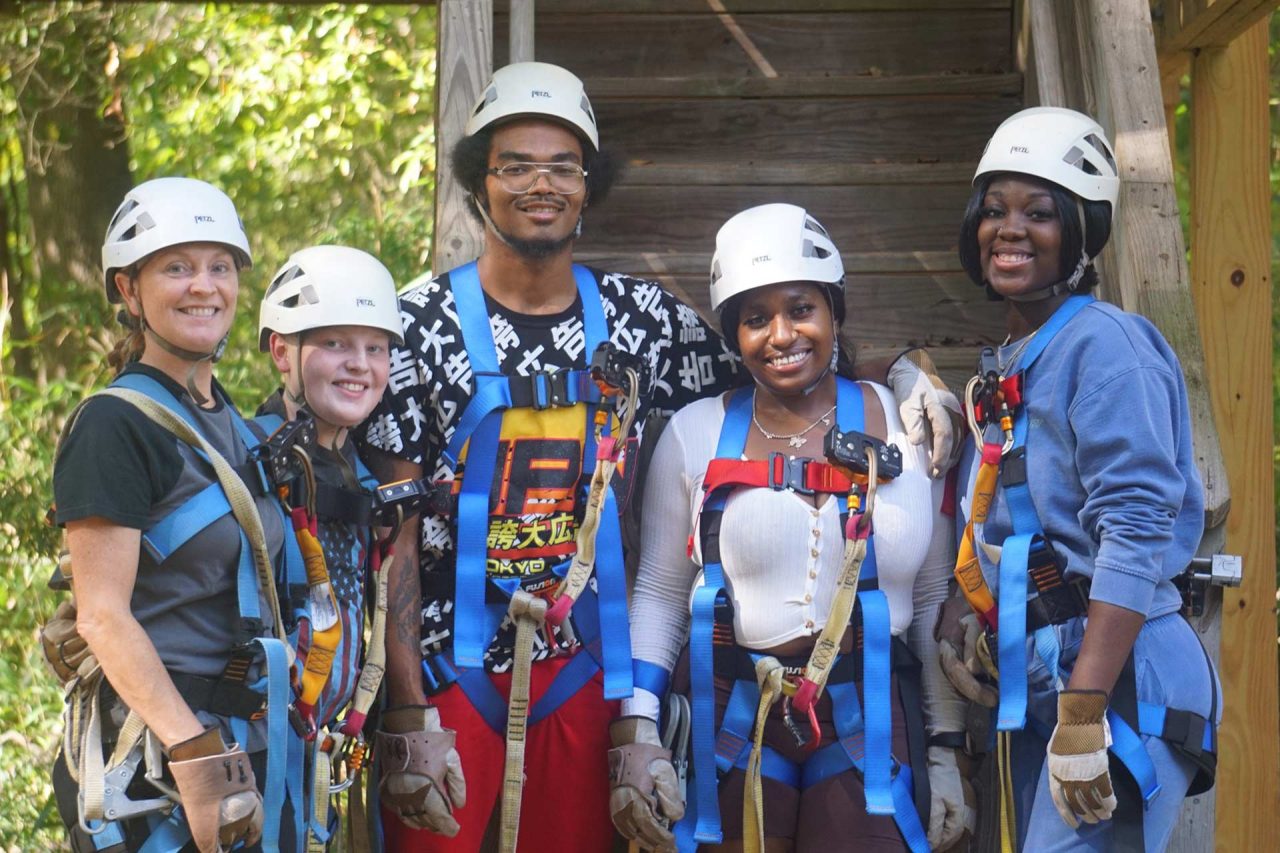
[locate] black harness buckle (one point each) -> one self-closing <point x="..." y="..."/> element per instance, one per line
<point x="1184" y="730"/>
<point x="786" y="472"/>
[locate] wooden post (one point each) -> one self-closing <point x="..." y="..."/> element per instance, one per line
<point x="1146" y="256"/>
<point x="520" y="31"/>
<point x="1230" y="247"/>
<point x="464" y="59"/>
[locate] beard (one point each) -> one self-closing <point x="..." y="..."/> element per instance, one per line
<point x="536" y="250"/>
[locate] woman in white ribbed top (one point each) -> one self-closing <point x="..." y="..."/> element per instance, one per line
<point x="777" y="282"/>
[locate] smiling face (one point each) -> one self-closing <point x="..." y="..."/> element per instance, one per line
<point x="344" y="372"/>
<point x="187" y="294"/>
<point x="541" y="221"/>
<point x="786" y="336"/>
<point x="1019" y="237"/>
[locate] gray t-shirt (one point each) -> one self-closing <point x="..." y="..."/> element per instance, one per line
<point x="118" y="465"/>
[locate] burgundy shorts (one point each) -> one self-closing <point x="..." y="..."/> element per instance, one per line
<point x="824" y="816"/>
<point x="565" y="808"/>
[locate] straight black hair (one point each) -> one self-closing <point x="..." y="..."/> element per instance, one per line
<point x="1092" y="237"/>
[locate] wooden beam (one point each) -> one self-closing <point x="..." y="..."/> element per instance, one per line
<point x="815" y="86"/>
<point x="1049" y="71"/>
<point x="1146" y="257"/>
<point x="1193" y="24"/>
<point x="464" y="59"/>
<point x="520" y="31"/>
<point x="649" y="173"/>
<point x="1230" y="251"/>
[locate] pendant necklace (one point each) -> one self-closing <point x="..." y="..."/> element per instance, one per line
<point x="795" y="439"/>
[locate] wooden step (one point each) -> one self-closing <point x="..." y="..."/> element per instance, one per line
<point x="850" y="43"/>
<point x="861" y="218"/>
<point x="795" y="131"/>
<point x="699" y="263"/>
<point x="683" y="7"/>
<point x="803" y="86"/>
<point x="649" y="173"/>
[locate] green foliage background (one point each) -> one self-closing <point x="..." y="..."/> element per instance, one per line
<point x="316" y="120"/>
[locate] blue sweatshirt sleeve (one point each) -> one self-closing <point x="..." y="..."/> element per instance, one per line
<point x="1126" y="433"/>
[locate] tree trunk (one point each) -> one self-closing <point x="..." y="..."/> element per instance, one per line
<point x="77" y="170"/>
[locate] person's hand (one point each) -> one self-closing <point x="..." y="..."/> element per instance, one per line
<point x="644" y="790"/>
<point x="219" y="793"/>
<point x="926" y="407"/>
<point x="961" y="650"/>
<point x="947" y="801"/>
<point x="1079" y="777"/>
<point x="422" y="779"/>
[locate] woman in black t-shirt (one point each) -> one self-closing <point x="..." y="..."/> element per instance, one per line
<point x="159" y="609"/>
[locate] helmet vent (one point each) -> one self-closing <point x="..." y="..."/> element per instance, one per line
<point x="142" y="224"/>
<point x="716" y="274"/>
<point x="812" y="251"/>
<point x="586" y="108"/>
<point x="123" y="210"/>
<point x="814" y="225"/>
<point x="1102" y="149"/>
<point x="282" y="279"/>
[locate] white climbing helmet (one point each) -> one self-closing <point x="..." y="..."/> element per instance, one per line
<point x="1058" y="145"/>
<point x="167" y="212"/>
<point x="329" y="286"/>
<point x="769" y="244"/>
<point x="535" y="89"/>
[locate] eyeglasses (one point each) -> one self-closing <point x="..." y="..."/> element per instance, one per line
<point x="519" y="178"/>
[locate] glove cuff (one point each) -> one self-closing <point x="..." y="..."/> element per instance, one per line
<point x="411" y="718"/>
<point x="627" y="730"/>
<point x="1081" y="707"/>
<point x="208" y="742"/>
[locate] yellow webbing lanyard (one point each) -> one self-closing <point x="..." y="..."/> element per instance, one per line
<point x="827" y="648"/>
<point x="769" y="674"/>
<point x="968" y="572"/>
<point x="322" y="604"/>
<point x="528" y="612"/>
<point x="584" y="557"/>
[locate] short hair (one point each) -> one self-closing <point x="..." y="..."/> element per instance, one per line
<point x="1097" y="227"/>
<point x="470" y="162"/>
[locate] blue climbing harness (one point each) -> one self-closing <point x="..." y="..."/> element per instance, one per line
<point x="601" y="624"/>
<point x="864" y="733"/>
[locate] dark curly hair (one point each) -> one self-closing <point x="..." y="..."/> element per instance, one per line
<point x="1094" y="235"/>
<point x="470" y="162"/>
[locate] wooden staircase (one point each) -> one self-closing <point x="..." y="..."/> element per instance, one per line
<point x="869" y="113"/>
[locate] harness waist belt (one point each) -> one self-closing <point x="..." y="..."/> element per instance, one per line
<point x="735" y="662"/>
<point x="219" y="695"/>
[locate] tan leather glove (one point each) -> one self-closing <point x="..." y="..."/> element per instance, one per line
<point x="422" y="779"/>
<point x="1079" y="778"/>
<point x="64" y="648"/>
<point x="219" y="794"/>
<point x="927" y="407"/>
<point x="644" y="790"/>
<point x="960" y="642"/>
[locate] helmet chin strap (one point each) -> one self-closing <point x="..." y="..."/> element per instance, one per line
<point x="195" y="358"/>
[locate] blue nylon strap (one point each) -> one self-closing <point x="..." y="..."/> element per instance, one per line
<point x="175" y="529"/>
<point x="1012" y="633"/>
<point x="733" y="741"/>
<point x="649" y="676"/>
<point x="472" y="560"/>
<point x="169" y="835"/>
<point x="733" y="437"/>
<point x="568" y="681"/>
<point x="1127" y="746"/>
<point x="611" y="581"/>
<point x="278" y="733"/>
<point x="878" y="701"/>
<point x="1151" y="722"/>
<point x="110" y="835"/>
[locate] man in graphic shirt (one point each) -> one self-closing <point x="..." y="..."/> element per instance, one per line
<point x="531" y="163"/>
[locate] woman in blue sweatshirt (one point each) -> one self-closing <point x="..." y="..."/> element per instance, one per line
<point x="1081" y="505"/>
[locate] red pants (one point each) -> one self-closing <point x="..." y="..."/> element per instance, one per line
<point x="566" y="791"/>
